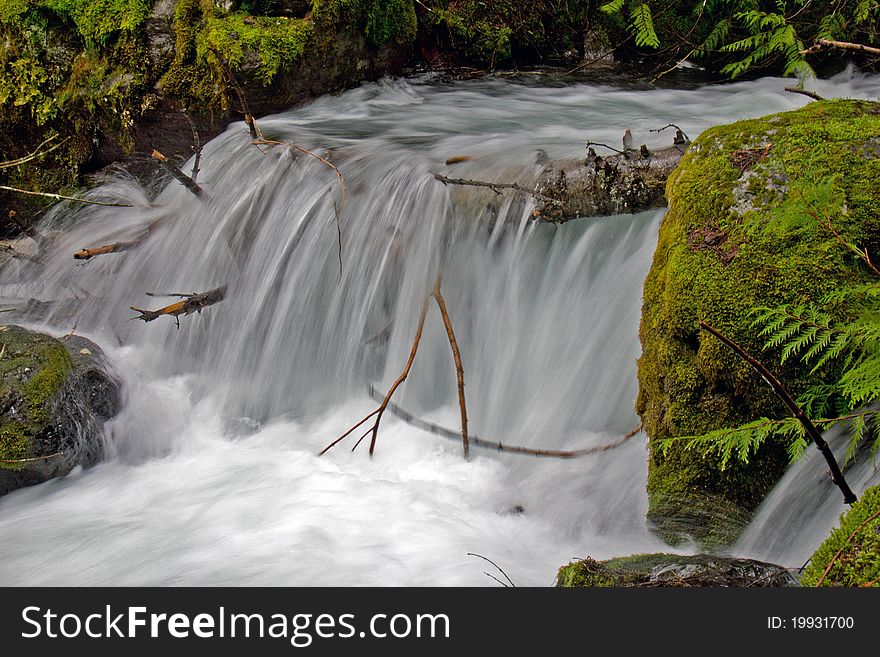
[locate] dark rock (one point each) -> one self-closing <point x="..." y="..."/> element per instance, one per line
<point x="55" y="396"/>
<point x="674" y="570"/>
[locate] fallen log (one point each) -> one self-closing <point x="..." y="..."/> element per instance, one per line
<point x="189" y="303"/>
<point x="87" y="254"/>
<point x="628" y="181"/>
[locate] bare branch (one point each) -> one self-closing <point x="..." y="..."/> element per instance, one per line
<point x="495" y="187"/>
<point x="822" y="44"/>
<point x="374" y="430"/>
<point x="804" y="92"/>
<point x="474" y="441"/>
<point x="60" y="197"/>
<point x="782" y="392"/>
<point x="197" y="147"/>
<point x="38" y="152"/>
<point x="672" y="125"/>
<point x="456" y="356"/>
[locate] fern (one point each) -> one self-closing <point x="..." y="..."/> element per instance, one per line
<point x="642" y="26"/>
<point x="740" y="443"/>
<point x="613" y="7"/>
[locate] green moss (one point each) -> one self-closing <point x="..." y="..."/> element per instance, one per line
<point x="689" y="383"/>
<point x="585" y="573"/>
<point x="279" y="43"/>
<point x="854" y="548"/>
<point x="32" y="370"/>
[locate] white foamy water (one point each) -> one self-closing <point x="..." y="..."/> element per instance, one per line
<point x="213" y="475"/>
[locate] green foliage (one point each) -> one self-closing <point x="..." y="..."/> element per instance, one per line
<point x="641" y="20"/>
<point x="755" y="33"/>
<point x="850" y="556"/>
<point x="383" y="21"/>
<point x="278" y="42"/>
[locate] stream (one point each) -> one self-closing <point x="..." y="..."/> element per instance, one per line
<point x="212" y="475"/>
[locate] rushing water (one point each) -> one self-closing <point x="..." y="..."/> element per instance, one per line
<point x="213" y="475"/>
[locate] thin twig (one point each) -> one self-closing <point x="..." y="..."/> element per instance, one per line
<point x="32" y="156"/>
<point x="262" y="141"/>
<point x="197" y="147"/>
<point x="845" y="545"/>
<point x="246" y="110"/>
<point x="30" y="460"/>
<point x="456" y="356"/>
<point x="500" y="569"/>
<point x="610" y="148"/>
<point x="782" y="392"/>
<point x="824" y="220"/>
<point x="671" y="125"/>
<point x="374" y="430"/>
<point x="495" y="187"/>
<point x="60" y="197"/>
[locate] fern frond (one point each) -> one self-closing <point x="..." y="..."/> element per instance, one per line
<point x="642" y="24"/>
<point x="613" y="7"/>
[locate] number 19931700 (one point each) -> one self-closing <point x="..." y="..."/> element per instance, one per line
<point x="810" y="623"/>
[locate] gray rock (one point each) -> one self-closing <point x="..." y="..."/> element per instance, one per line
<point x="55" y="396"/>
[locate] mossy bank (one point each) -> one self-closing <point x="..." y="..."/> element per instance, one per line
<point x="850" y="556"/>
<point x="54" y="399"/>
<point x="721" y="254"/>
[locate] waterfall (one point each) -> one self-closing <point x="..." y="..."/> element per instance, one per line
<point x="213" y="475"/>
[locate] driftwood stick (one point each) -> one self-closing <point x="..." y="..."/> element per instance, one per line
<point x="782" y="392"/>
<point x="495" y="187"/>
<point x="60" y="197"/>
<point x="804" y="92"/>
<point x="189" y="304"/>
<point x="456" y="356"/>
<point x="176" y="173"/>
<point x="822" y="44"/>
<point x="481" y="443"/>
<point x="89" y="253"/>
<point x="374" y="430"/>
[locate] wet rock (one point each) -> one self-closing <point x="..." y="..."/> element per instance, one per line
<point x="674" y="570"/>
<point x="55" y="396"/>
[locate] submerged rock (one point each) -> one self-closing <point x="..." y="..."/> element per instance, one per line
<point x="673" y="570"/>
<point x="738" y="235"/>
<point x="54" y="398"/>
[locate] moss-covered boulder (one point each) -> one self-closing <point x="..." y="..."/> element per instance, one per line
<point x="54" y="399"/>
<point x="674" y="570"/>
<point x="850" y="556"/>
<point x="739" y="235"/>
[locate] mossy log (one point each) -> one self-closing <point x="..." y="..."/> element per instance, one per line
<point x="717" y="259"/>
